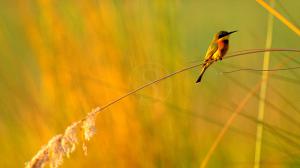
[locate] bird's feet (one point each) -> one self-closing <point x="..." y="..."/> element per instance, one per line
<point x="219" y="59"/>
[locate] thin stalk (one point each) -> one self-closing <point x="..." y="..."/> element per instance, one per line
<point x="188" y="68"/>
<point x="252" y="69"/>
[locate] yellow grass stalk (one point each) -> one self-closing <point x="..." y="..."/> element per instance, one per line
<point x="280" y="17"/>
<point x="263" y="91"/>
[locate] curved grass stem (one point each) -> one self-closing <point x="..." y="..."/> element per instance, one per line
<point x="88" y="123"/>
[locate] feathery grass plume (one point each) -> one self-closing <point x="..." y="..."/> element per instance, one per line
<point x="89" y="128"/>
<point x="70" y="139"/>
<point x="64" y="144"/>
<point x="52" y="153"/>
<point x="40" y="159"/>
<point x="56" y="151"/>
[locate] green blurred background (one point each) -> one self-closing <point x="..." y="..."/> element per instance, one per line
<point x="60" y="59"/>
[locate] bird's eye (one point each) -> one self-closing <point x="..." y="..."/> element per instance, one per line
<point x="221" y="35"/>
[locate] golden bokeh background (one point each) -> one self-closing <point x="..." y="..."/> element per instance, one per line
<point x="60" y="59"/>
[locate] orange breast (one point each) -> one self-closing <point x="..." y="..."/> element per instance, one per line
<point x="223" y="47"/>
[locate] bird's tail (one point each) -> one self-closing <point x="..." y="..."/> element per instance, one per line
<point x="204" y="67"/>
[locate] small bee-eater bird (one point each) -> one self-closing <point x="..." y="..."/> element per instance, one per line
<point x="216" y="50"/>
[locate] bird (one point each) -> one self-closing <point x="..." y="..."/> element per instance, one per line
<point x="216" y="50"/>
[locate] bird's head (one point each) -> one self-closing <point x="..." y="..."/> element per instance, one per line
<point x="223" y="34"/>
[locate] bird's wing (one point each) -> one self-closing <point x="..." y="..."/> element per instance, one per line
<point x="210" y="51"/>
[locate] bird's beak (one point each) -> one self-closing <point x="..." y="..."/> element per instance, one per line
<point x="232" y="32"/>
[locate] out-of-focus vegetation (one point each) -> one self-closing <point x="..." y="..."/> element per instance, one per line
<point x="60" y="59"/>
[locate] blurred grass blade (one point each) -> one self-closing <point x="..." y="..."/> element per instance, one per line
<point x="263" y="91"/>
<point x="227" y="125"/>
<point x="280" y="17"/>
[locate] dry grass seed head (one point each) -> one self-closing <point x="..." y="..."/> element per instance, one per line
<point x="70" y="139"/>
<point x="88" y="125"/>
<point x="40" y="159"/>
<point x="56" y="151"/>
